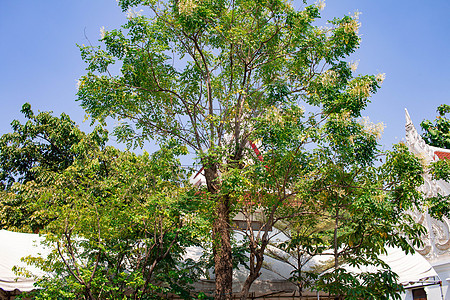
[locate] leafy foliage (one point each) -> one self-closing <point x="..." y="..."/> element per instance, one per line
<point x="376" y="285"/>
<point x="438" y="133"/>
<point x="44" y="140"/>
<point x="43" y="143"/>
<point x="216" y="75"/>
<point x="120" y="224"/>
<point x="212" y="77"/>
<point x="348" y="211"/>
<point x="117" y="223"/>
<point x="438" y="206"/>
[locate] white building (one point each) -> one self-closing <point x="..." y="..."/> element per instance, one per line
<point x="436" y="248"/>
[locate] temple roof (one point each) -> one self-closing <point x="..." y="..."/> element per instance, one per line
<point x="440" y="153"/>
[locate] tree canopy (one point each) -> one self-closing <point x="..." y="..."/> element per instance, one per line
<point x="43" y="143"/>
<point x="43" y="140"/>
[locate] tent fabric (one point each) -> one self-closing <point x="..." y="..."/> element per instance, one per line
<point x="274" y="277"/>
<point x="411" y="268"/>
<point x="14" y="246"/>
<point x="272" y="270"/>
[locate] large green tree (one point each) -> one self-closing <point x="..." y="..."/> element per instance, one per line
<point x="206" y="73"/>
<point x="218" y="77"/>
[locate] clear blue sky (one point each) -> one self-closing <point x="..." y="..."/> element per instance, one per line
<point x="407" y="40"/>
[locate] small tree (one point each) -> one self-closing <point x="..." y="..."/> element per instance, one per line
<point x="119" y="227"/>
<point x="116" y="223"/>
<point x="366" y="208"/>
<point x="334" y="202"/>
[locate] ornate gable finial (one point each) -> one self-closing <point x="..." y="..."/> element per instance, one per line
<point x="415" y="142"/>
<point x="408" y="118"/>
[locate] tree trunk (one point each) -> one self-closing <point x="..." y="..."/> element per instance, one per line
<point x="336" y="253"/>
<point x="223" y="264"/>
<point x="248" y="283"/>
<point x="222" y="251"/>
<point x="246" y="287"/>
<point x="257" y="253"/>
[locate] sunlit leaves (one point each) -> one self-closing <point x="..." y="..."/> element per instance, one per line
<point x="121" y="221"/>
<point x="438" y="133"/>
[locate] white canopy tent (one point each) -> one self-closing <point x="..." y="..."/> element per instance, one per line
<point x="14" y="246"/>
<point x="412" y="269"/>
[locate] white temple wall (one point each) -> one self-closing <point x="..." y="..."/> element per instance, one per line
<point x="443" y="270"/>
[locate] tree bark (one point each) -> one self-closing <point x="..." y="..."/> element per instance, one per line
<point x="223" y="263"/>
<point x="336" y="253"/>
<point x="254" y="274"/>
<point x="222" y="251"/>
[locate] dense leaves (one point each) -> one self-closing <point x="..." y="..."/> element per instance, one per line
<point x="216" y="75"/>
<point x="44" y="140"/>
<point x="437" y="133"/>
<point x="44" y="143"/>
<point x="117" y="224"/>
<point x="116" y="234"/>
